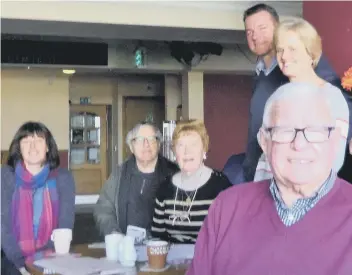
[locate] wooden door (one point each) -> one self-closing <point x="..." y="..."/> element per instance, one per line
<point x="138" y="109"/>
<point x="88" y="143"/>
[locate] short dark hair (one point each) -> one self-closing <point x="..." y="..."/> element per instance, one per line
<point x="261" y="7"/>
<point x="31" y="128"/>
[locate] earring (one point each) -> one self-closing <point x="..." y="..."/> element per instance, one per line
<point x="205" y="156"/>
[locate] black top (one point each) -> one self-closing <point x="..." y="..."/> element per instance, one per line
<point x="168" y="222"/>
<point x="138" y="190"/>
<point x="141" y="195"/>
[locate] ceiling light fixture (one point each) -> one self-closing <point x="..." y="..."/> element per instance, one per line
<point x="66" y="71"/>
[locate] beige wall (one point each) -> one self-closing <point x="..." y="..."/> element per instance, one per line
<point x="122" y="12"/>
<point x="99" y="89"/>
<point x="173" y="95"/>
<point x="192" y="95"/>
<point x="198" y="14"/>
<point x="103" y="90"/>
<point x="39" y="96"/>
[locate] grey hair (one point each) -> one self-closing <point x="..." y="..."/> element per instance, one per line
<point x="133" y="133"/>
<point x="296" y="92"/>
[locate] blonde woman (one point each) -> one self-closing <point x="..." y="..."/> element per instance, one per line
<point x="298" y="52"/>
<point x="183" y="200"/>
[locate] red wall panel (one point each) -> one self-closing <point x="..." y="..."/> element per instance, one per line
<point x="226" y="107"/>
<point x="333" y="20"/>
<point x="63" y="158"/>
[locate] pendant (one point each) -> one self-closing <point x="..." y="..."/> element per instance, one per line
<point x="184" y="216"/>
<point x="188" y="200"/>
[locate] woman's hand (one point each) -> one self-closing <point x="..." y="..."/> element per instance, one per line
<point x="351" y="146"/>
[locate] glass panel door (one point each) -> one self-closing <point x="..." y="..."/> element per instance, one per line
<point x="88" y="144"/>
<point x="85" y="138"/>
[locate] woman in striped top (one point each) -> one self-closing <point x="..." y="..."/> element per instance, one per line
<point x="183" y="200"/>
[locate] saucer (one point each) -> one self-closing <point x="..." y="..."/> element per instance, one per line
<point x="146" y="268"/>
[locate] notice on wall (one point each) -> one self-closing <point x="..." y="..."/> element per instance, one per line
<point x="84" y="100"/>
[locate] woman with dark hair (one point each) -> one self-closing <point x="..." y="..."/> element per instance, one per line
<point x="36" y="195"/>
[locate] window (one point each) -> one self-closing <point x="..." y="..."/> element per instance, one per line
<point x="84" y="138"/>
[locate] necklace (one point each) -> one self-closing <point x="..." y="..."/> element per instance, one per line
<point x="188" y="196"/>
<point x="185" y="214"/>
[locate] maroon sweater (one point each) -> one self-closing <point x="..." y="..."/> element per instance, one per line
<point x="243" y="235"/>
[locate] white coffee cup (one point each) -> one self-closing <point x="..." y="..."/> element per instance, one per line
<point x="62" y="238"/>
<point x="127" y="251"/>
<point x="112" y="242"/>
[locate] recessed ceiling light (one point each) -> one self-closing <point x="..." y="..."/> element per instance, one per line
<point x="66" y="71"/>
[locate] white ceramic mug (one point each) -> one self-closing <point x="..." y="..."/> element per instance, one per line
<point x="127" y="252"/>
<point x="112" y="242"/>
<point x="62" y="238"/>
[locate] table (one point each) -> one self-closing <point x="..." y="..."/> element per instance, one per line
<point x="98" y="253"/>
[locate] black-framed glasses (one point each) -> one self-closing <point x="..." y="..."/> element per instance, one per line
<point x="311" y="134"/>
<point x="141" y="140"/>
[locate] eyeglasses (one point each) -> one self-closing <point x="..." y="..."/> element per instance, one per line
<point x="141" y="140"/>
<point x="311" y="134"/>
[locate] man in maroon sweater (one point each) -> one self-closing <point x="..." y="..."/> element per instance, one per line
<point x="298" y="223"/>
